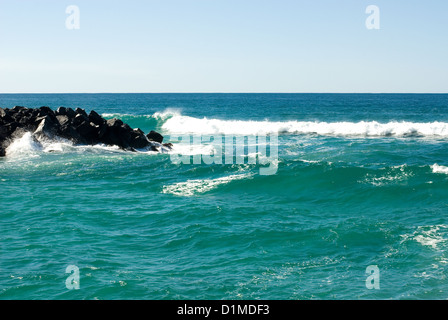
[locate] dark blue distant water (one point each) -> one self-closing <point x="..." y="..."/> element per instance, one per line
<point x="360" y="180"/>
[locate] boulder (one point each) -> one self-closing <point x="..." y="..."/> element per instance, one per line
<point x="3" y="133"/>
<point x="139" y="131"/>
<point x="154" y="136"/>
<point x="62" y="111"/>
<point x="11" y="127"/>
<point x="88" y="131"/>
<point x="102" y="131"/>
<point x="138" y="139"/>
<point x="17" y="109"/>
<point x="69" y="132"/>
<point x="3" y="113"/>
<point x="79" y="118"/>
<point x="70" y="113"/>
<point x="63" y="120"/>
<point x="46" y="129"/>
<point x="139" y="142"/>
<point x="45" y="111"/>
<point x="114" y="122"/>
<point x="112" y="137"/>
<point x="3" y="137"/>
<point x="81" y="111"/>
<point x="96" y="118"/>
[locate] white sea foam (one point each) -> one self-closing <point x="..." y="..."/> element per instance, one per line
<point x="439" y="169"/>
<point x="385" y="176"/>
<point x="192" y="187"/>
<point x="25" y="145"/>
<point x="432" y="236"/>
<point x="177" y="123"/>
<point x="168" y="113"/>
<point x="122" y="115"/>
<point x="114" y="115"/>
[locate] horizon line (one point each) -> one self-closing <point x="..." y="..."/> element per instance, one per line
<point x="174" y="92"/>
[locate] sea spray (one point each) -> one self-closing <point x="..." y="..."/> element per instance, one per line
<point x="24" y="145"/>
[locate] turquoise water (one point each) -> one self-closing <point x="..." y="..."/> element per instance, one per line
<point x="360" y="180"/>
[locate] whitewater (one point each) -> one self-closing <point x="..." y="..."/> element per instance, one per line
<point x="175" y="122"/>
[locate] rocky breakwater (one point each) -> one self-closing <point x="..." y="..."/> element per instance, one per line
<point x="76" y="126"/>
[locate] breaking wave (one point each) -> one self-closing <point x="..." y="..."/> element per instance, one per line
<point x="185" y="124"/>
<point x="173" y="122"/>
<point x="439" y="169"/>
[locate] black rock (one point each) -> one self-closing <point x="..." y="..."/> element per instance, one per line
<point x="3" y="132"/>
<point x="155" y="136"/>
<point x="112" y="137"/>
<point x="5" y="116"/>
<point x="45" y="111"/>
<point x="2" y="152"/>
<point x="38" y="120"/>
<point x="79" y="118"/>
<point x="46" y="129"/>
<point x="11" y="127"/>
<point x="139" y="131"/>
<point x="139" y="142"/>
<point x="3" y="113"/>
<point x="114" y="122"/>
<point x="96" y="118"/>
<point x="70" y="133"/>
<point x="88" y="131"/>
<point x="71" y="113"/>
<point x="81" y="111"/>
<point x="102" y="130"/>
<point x="63" y="120"/>
<point x="25" y="112"/>
<point x="24" y="120"/>
<point x="62" y="111"/>
<point x="138" y="139"/>
<point x="17" y="109"/>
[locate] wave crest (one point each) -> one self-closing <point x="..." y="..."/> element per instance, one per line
<point x="439" y="169"/>
<point x="176" y="123"/>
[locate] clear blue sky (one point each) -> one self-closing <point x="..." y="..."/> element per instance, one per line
<point x="223" y="46"/>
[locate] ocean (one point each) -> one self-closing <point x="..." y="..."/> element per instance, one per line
<point x="355" y="206"/>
